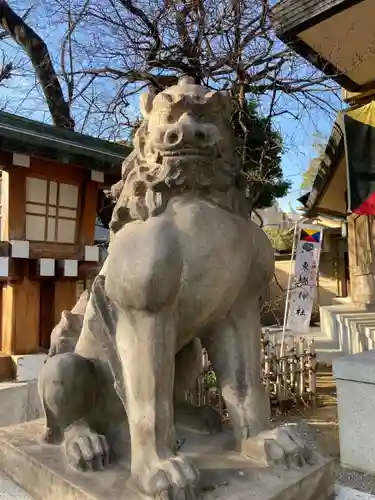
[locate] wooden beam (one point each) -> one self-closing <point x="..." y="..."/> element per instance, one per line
<point x="56" y="171"/>
<point x="55" y="251"/>
<point x="317" y="210"/>
<point x="14" y="204"/>
<point x="353" y="98"/>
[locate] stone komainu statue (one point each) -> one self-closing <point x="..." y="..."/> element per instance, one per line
<point x="186" y="267"/>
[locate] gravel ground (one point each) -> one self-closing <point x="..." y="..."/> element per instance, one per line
<point x="320" y="428"/>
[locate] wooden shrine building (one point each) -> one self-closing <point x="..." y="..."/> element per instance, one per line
<point x="50" y="182"/>
<point x="337" y="37"/>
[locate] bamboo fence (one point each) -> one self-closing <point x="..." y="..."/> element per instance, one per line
<point x="290" y="379"/>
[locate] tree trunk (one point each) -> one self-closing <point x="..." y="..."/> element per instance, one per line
<point x="39" y="56"/>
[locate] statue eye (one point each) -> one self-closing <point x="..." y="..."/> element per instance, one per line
<point x="169" y="118"/>
<point x="167" y="98"/>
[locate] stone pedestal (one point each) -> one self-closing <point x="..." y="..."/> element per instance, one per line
<point x="355" y="380"/>
<point x="42" y="472"/>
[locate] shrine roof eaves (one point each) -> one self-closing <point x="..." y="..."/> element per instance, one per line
<point x="292" y="17"/>
<point x="22" y="135"/>
<point x="335" y="148"/>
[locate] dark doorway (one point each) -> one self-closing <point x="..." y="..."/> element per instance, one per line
<point x="47" y="293"/>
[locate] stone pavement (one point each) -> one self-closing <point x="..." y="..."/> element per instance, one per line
<point x="10" y="491"/>
<point x="350" y="494"/>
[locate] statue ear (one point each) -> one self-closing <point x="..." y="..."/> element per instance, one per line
<point x="146" y="102"/>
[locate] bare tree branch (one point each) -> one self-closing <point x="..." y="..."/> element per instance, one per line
<point x="152" y="27"/>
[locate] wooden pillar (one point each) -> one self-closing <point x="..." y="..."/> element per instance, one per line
<point x="65" y="297"/>
<point x="20" y="317"/>
<point x="88" y="216"/>
<point x="13" y="204"/>
<point x="361" y="260"/>
<point x="351" y="250"/>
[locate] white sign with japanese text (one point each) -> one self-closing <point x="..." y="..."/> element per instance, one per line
<point x="305" y="278"/>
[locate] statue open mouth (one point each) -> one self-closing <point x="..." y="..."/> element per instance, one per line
<point x="207" y="153"/>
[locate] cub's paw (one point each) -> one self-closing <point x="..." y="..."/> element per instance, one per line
<point x="86" y="450"/>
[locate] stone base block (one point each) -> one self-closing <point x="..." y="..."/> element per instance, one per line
<point x="41" y="471"/>
<point x="355" y="380"/>
<point x="28" y="366"/>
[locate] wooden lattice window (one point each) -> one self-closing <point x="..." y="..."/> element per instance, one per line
<point x="51" y="211"/>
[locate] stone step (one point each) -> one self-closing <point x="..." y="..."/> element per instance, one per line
<point x="344" y="327"/>
<point x="362" y="330"/>
<point x="27" y="367"/>
<point x="24" y="368"/>
<point x="342" y="331"/>
<point x="19" y="402"/>
<point x="369" y="332"/>
<point x="330" y="325"/>
<point x="353" y="332"/>
<point x="342" y="300"/>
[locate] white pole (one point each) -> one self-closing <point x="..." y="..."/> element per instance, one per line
<point x="287" y="299"/>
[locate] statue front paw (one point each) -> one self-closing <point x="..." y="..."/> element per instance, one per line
<point x="85" y="449"/>
<point x="282" y="445"/>
<point x="169" y="479"/>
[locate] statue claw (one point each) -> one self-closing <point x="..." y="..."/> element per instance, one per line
<point x="171" y="479"/>
<point x="282" y="445"/>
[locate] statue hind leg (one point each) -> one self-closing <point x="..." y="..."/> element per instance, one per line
<point x="234" y="349"/>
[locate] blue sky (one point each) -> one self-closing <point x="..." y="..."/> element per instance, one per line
<point x="300" y="138"/>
